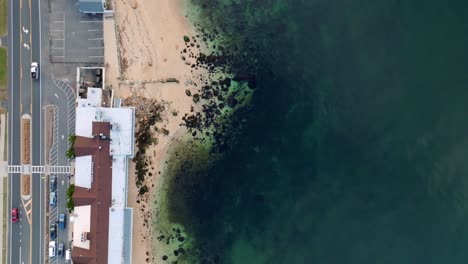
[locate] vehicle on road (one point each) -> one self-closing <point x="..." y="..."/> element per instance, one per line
<point x="67" y="256"/>
<point x="53" y="183"/>
<point x="62" y="221"/>
<point x="52" y="249"/>
<point x="53" y="198"/>
<point x="35" y="70"/>
<point x="53" y="231"/>
<point x="14" y="215"/>
<point x="60" y="249"/>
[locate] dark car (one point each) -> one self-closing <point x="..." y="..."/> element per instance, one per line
<point x="60" y="249"/>
<point x="62" y="223"/>
<point x="53" y="183"/>
<point x="14" y="215"/>
<point x="53" y="231"/>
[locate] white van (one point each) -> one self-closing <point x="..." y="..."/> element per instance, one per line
<point x="52" y="249"/>
<point x="67" y="256"/>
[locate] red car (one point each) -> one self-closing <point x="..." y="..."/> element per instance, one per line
<point x="14" y="215"/>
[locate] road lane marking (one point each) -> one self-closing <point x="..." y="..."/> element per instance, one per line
<point x="30" y="234"/>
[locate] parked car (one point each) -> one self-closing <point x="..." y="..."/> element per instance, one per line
<point x="52" y="249"/>
<point x="35" y="70"/>
<point x="14" y="215"/>
<point x="60" y="249"/>
<point x="53" y="198"/>
<point x="67" y="256"/>
<point x="53" y="231"/>
<point x="53" y="183"/>
<point x="62" y="221"/>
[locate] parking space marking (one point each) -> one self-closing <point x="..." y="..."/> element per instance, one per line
<point x="91" y="21"/>
<point x="58" y="48"/>
<point x="95" y="56"/>
<point x="95" y="47"/>
<point x="99" y="29"/>
<point x="96" y="39"/>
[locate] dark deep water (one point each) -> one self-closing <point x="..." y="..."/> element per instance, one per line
<point x="356" y="146"/>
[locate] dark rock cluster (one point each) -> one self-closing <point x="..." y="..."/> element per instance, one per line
<point x="147" y="113"/>
<point x="217" y="90"/>
<point x="174" y="236"/>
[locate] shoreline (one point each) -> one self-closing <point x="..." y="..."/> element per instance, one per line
<point x="160" y="45"/>
<point x="183" y="90"/>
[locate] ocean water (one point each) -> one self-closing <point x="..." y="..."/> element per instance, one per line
<point x="355" y="146"/>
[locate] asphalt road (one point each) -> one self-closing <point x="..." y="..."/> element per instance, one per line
<point x="26" y="236"/>
<point x="59" y="38"/>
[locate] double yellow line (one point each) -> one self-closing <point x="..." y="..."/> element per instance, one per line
<point x="30" y="54"/>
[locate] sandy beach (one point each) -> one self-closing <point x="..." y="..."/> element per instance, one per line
<point x="142" y="51"/>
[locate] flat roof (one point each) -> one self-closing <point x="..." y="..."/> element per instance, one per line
<point x="122" y="120"/>
<point x="84" y="118"/>
<point x="91" y="6"/>
<point x="120" y="239"/>
<point x="81" y="223"/>
<point x="83" y="171"/>
<point x="93" y="98"/>
<point x="122" y="126"/>
<point x="119" y="181"/>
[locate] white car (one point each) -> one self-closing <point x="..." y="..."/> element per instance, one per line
<point x="52" y="249"/>
<point x="34" y="70"/>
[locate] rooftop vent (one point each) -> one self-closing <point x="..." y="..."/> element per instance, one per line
<point x="84" y="237"/>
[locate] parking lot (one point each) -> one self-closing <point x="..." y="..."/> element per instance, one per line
<point x="76" y="38"/>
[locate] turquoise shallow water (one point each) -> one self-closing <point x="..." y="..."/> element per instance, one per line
<point x="355" y="149"/>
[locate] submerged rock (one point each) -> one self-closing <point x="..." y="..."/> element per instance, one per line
<point x="196" y="98"/>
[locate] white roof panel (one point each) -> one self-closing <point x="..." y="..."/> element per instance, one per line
<point x="84" y="121"/>
<point x="84" y="171"/>
<point x="81" y="224"/>
<point x="122" y="132"/>
<point x="119" y="181"/>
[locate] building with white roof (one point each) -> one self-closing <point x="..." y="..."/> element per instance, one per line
<point x="102" y="222"/>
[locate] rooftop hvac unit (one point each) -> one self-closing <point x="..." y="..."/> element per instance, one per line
<point x="84" y="236"/>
